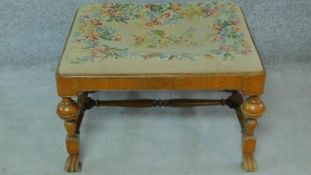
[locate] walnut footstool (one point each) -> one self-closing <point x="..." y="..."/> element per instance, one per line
<point x="205" y="46"/>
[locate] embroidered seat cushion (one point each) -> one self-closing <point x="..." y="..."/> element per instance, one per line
<point x="171" y="38"/>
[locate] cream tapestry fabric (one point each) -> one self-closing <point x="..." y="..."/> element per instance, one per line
<point x="159" y="39"/>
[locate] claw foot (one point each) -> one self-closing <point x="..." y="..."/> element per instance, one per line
<point x="249" y="164"/>
<point x="73" y="163"/>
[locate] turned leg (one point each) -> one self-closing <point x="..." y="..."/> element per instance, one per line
<point x="251" y="109"/>
<point x="69" y="111"/>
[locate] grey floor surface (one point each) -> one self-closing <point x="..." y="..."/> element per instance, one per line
<point x="159" y="141"/>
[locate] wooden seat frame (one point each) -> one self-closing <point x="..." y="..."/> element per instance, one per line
<point x="248" y="111"/>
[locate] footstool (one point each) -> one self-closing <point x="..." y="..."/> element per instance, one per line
<point x="204" y="46"/>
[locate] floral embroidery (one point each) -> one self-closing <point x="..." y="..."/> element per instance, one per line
<point x="233" y="42"/>
<point x="120" y="12"/>
<point x="113" y="30"/>
<point x="100" y="53"/>
<point x="157" y="14"/>
<point x="159" y="38"/>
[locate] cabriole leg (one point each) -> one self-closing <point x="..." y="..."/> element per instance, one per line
<point x="69" y="111"/>
<point x="252" y="108"/>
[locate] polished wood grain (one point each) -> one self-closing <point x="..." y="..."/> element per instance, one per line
<point x="249" y="84"/>
<point x="145" y="103"/>
<point x="69" y="111"/>
<point x="252" y="108"/>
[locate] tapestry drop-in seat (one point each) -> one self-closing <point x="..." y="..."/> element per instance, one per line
<point x="172" y="46"/>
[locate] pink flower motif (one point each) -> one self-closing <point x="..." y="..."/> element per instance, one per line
<point x="210" y="12"/>
<point x="167" y="15"/>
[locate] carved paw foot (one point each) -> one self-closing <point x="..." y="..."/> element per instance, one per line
<point x="73" y="163"/>
<point x="249" y="164"/>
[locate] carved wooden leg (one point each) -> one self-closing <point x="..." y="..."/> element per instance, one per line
<point x="69" y="111"/>
<point x="252" y="108"/>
